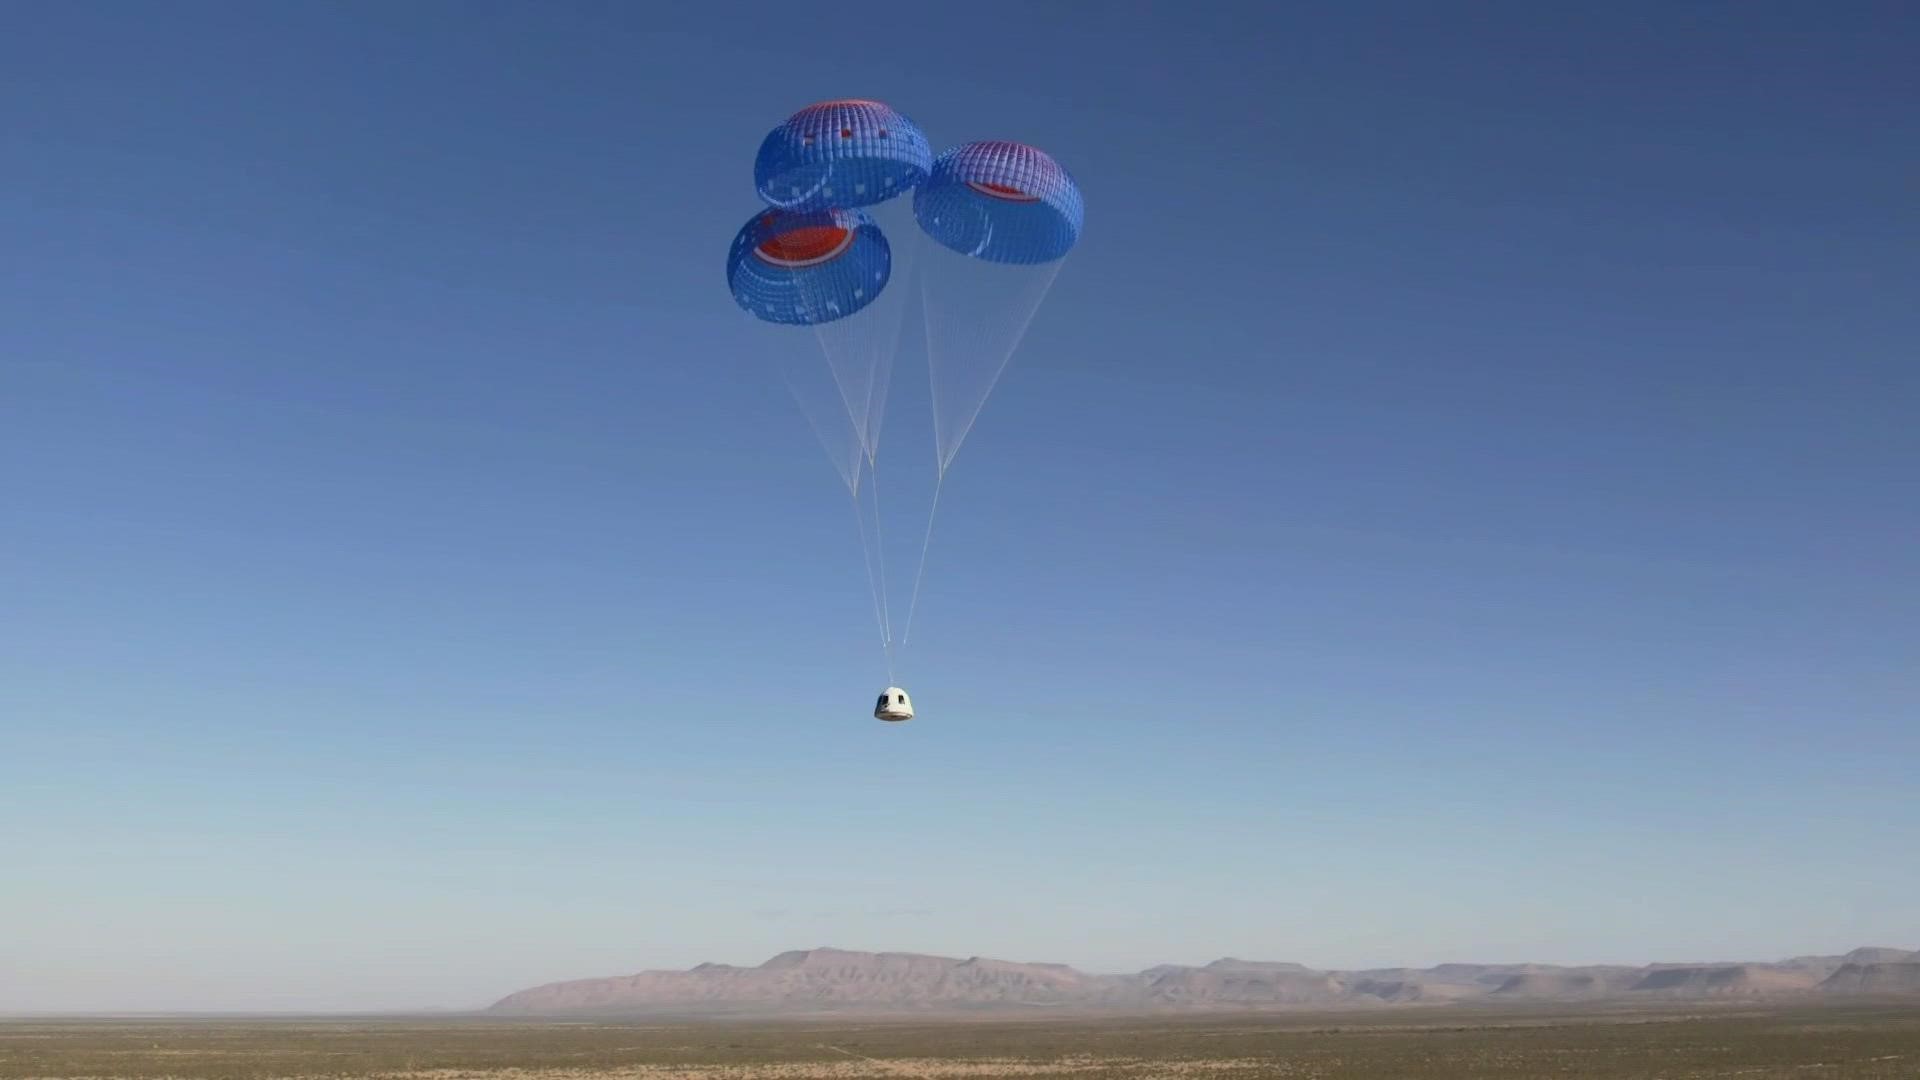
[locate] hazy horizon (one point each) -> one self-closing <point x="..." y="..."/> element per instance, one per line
<point x="1456" y="504"/>
<point x="475" y="1006"/>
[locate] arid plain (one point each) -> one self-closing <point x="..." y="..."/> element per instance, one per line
<point x="1855" y="1040"/>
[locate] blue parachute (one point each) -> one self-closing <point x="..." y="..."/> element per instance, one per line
<point x="1002" y="216"/>
<point x="841" y="153"/>
<point x="1004" y="202"/>
<point x="807" y="269"/>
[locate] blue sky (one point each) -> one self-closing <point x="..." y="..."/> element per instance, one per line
<point x="1458" y="501"/>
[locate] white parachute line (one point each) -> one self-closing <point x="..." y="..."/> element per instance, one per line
<point x="895" y="217"/>
<point x="859" y="350"/>
<point x="832" y="338"/>
<point x="926" y="542"/>
<point x="906" y="239"/>
<point x="882" y="381"/>
<point x="866" y="562"/>
<point x="871" y="335"/>
<point x="882" y="347"/>
<point x="1045" y="285"/>
<point x="972" y="339"/>
<point x="933" y="376"/>
<point x="880" y="545"/>
<point x="840" y="341"/>
<point x="850" y="476"/>
<point x="867" y="442"/>
<point x="849" y="469"/>
<point x="870" y="346"/>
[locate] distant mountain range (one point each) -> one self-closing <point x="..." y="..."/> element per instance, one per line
<point x="840" y="980"/>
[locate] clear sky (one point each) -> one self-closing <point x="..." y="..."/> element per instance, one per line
<point x="1459" y="501"/>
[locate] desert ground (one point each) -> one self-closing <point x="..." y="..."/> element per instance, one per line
<point x="1858" y="1040"/>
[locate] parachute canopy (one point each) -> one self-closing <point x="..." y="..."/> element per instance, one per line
<point x="841" y="153"/>
<point x="805" y="269"/>
<point x="1004" y="202"/>
<point x="1002" y="217"/>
